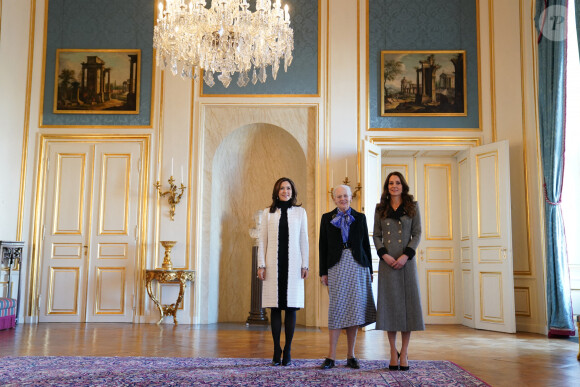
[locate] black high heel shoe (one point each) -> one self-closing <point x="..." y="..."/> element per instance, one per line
<point x="276" y="357"/>
<point x="395" y="367"/>
<point x="286" y="359"/>
<point x="405" y="368"/>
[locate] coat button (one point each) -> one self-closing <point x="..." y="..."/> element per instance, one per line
<point x="400" y="231"/>
<point x="399" y="222"/>
<point x="388" y="224"/>
<point x="388" y="232"/>
<point x="399" y="241"/>
<point x="389" y="241"/>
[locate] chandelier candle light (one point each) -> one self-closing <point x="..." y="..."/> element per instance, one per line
<point x="226" y="38"/>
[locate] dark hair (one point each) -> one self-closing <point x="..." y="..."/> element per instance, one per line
<point x="408" y="204"/>
<point x="276" y="190"/>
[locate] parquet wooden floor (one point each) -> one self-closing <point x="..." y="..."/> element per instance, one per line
<point x="520" y="359"/>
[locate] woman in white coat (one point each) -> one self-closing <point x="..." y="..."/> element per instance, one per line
<point x="283" y="255"/>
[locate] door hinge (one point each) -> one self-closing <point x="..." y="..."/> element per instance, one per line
<point x="134" y="306"/>
<point x="43" y="231"/>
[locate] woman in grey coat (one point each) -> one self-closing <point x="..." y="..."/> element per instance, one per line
<point x="397" y="233"/>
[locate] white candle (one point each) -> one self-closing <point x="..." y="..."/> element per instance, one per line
<point x="346" y="168"/>
<point x="172" y="166"/>
<point x="182" y="174"/>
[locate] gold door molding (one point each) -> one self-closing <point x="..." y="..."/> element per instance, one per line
<point x="445" y="280"/>
<point x="467" y="285"/>
<point x="437" y="189"/>
<point x="491" y="306"/>
<point x="62" y="275"/>
<point x="487" y="173"/>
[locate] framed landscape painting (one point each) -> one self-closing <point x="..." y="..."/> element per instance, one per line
<point x="97" y="81"/>
<point x="423" y="83"/>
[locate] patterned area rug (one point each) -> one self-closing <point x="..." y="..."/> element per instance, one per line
<point x="161" y="371"/>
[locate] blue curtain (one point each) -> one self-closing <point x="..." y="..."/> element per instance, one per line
<point x="577" y="12"/>
<point x="552" y="109"/>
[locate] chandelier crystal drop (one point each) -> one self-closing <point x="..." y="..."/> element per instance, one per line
<point x="226" y="38"/>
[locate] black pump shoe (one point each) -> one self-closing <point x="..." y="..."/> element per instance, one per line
<point x="353" y="363"/>
<point x="395" y="367"/>
<point x="328" y="364"/>
<point x="276" y="357"/>
<point x="404" y="368"/>
<point x="286" y="359"/>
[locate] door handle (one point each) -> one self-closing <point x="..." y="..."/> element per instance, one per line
<point x="421" y="254"/>
<point x="504" y="254"/>
<point x="86" y="248"/>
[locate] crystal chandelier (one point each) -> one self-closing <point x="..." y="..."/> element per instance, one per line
<point x="225" y="38"/>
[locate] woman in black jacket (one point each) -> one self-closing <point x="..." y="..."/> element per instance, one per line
<point x="346" y="268"/>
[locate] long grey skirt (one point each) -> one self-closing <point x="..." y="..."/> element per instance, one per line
<point x="351" y="296"/>
<point x="399" y="300"/>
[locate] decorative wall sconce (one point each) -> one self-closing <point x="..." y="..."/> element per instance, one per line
<point x="173" y="197"/>
<point x="354" y="190"/>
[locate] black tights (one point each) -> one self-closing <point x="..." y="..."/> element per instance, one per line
<point x="289" y="325"/>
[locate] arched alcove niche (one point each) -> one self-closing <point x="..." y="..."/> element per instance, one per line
<point x="245" y="149"/>
<point x="245" y="166"/>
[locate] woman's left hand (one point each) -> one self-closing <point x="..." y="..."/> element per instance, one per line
<point x="304" y="273"/>
<point x="400" y="262"/>
<point x="262" y="273"/>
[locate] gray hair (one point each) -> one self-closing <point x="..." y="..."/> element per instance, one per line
<point x="346" y="187"/>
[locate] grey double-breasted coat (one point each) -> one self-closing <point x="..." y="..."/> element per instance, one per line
<point x="399" y="300"/>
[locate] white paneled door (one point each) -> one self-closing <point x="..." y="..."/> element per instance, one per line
<point x="465" y="260"/>
<point x="371" y="196"/>
<point x="491" y="236"/>
<point x="90" y="232"/>
<point x="438" y="253"/>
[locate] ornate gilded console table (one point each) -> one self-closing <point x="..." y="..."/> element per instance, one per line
<point x="168" y="276"/>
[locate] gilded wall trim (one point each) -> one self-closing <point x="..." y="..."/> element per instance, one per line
<point x="492" y="71"/>
<point x="523" y="73"/>
<point x="26" y="126"/>
<point x="525" y="291"/>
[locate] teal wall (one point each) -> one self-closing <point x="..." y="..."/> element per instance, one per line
<point x="302" y="75"/>
<point x="103" y="24"/>
<point x="423" y="25"/>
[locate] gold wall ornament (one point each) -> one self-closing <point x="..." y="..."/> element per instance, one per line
<point x="168" y="245"/>
<point x="173" y="197"/>
<point x="346" y="181"/>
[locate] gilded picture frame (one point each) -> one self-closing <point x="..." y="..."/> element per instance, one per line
<point x="423" y="83"/>
<point x="97" y="81"/>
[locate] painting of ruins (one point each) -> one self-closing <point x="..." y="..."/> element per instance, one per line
<point x="423" y="83"/>
<point x="97" y="81"/>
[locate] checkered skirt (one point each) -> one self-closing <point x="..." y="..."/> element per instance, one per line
<point x="351" y="296"/>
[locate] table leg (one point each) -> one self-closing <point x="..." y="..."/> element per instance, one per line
<point x="148" y="283"/>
